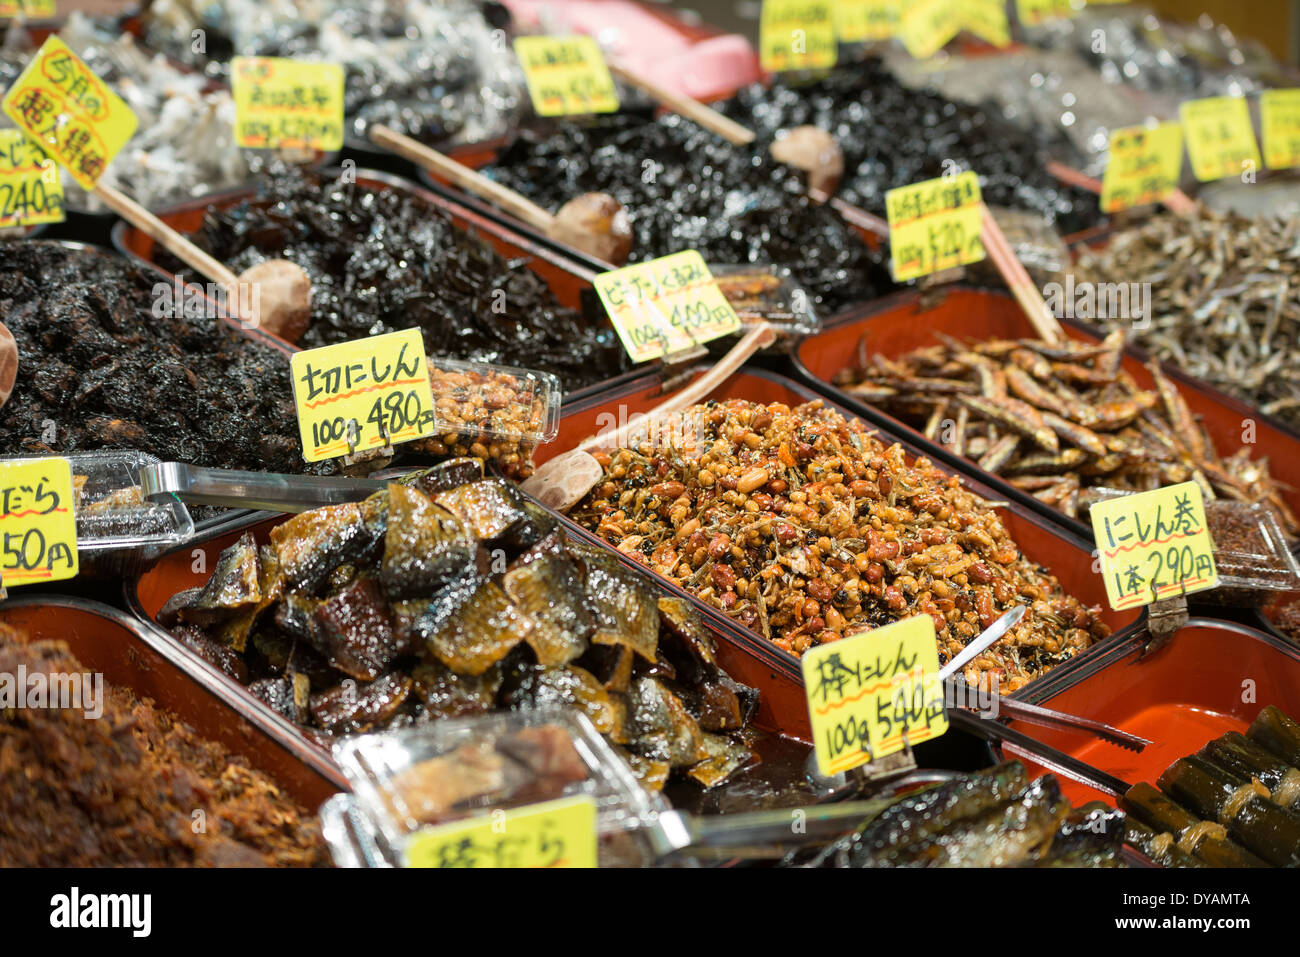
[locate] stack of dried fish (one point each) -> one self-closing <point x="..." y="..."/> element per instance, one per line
<point x="1058" y="422"/>
<point x="1225" y="300"/>
<point x="452" y="595"/>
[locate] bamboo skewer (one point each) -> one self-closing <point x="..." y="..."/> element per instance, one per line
<point x="1176" y="202"/>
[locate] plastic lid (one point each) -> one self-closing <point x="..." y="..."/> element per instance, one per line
<point x="768" y="292"/>
<point x="494" y="402"/>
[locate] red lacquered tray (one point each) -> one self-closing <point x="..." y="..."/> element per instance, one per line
<point x="110" y="642"/>
<point x="1212" y="677"/>
<point x="903" y="323"/>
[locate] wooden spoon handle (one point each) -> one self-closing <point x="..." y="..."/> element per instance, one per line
<point x="160" y="232"/>
<point x="758" y="337"/>
<point x="686" y="106"/>
<point x="463" y="176"/>
<point x="1022" y="287"/>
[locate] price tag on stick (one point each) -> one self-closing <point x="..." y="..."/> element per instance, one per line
<point x="1280" y="113"/>
<point x="1154" y="545"/>
<point x="934" y="225"/>
<point x="1220" y="138"/>
<point x="38" y="525"/>
<point x="926" y="26"/>
<point x="862" y="21"/>
<point x="1033" y="12"/>
<point x="797" y="35"/>
<point x="287" y="104"/>
<point x="874" y="693"/>
<point x="363" y="394"/>
<point x="31" y="9"/>
<point x="566" y="76"/>
<point x="559" y="833"/>
<point x="31" y="188"/>
<point x="987" y="19"/>
<point x="59" y="102"/>
<point x="1143" y="166"/>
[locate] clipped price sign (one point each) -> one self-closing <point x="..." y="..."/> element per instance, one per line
<point x="287" y="104"/>
<point x="566" y="76"/>
<point x="666" y="305"/>
<point x="1280" y="115"/>
<point x="1154" y="545"/>
<point x="31" y="189"/>
<point x="927" y="25"/>
<point x="38" y="527"/>
<point x="558" y="833"/>
<point x="797" y="35"/>
<point x="1220" y="138"/>
<point x="363" y="394"/>
<point x="862" y="21"/>
<point x="934" y="225"/>
<point x="874" y="693"/>
<point x="1033" y="12"/>
<point x="64" y="106"/>
<point x="987" y="19"/>
<point x="31" y="9"/>
<point x="1143" y="167"/>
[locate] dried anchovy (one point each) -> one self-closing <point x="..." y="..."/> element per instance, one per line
<point x="802" y="526"/>
<point x="384" y="260"/>
<point x="1082" y="422"/>
<point x="892" y="136"/>
<point x="685" y="188"/>
<point x="1225" y="300"/>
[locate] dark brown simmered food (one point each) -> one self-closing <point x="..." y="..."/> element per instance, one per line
<point x="123" y="789"/>
<point x="448" y="596"/>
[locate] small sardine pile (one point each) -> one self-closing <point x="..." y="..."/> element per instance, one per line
<point x="1225" y="300"/>
<point x="1058" y="422"/>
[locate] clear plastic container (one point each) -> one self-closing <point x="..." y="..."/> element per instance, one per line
<point x="758" y="292"/>
<point x="412" y="779"/>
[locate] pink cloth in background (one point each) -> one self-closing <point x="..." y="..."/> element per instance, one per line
<point x="644" y="43"/>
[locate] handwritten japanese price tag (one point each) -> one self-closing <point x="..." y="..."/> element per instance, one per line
<point x="934" y="225"/>
<point x="797" y="35"/>
<point x="38" y="528"/>
<point x="1033" y="12"/>
<point x="31" y="9"/>
<point x="1153" y="545"/>
<point x="1143" y="167"/>
<point x="287" y="104"/>
<point x="566" y="75"/>
<point x="666" y="305"/>
<point x="927" y="25"/>
<point x="861" y="21"/>
<point x="1280" y="112"/>
<point x="363" y="394"/>
<point x="70" y="111"/>
<point x="869" y="691"/>
<point x="553" y="834"/>
<point x="987" y="19"/>
<point x="1220" y="138"/>
<point x="31" y="189"/>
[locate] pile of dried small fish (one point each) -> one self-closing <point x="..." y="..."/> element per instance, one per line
<point x="449" y="595"/>
<point x="1225" y="300"/>
<point x="802" y="526"/>
<point x="1057" y="421"/>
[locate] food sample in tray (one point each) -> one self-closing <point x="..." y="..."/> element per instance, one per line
<point x="453" y="595"/>
<point x="685" y="188"/>
<point x="1058" y="422"/>
<point x="381" y="260"/>
<point x="1225" y="301"/>
<point x="1235" y="803"/>
<point x="892" y="136"/>
<point x="106" y="365"/>
<point x="122" y="789"/>
<point x="802" y="526"/>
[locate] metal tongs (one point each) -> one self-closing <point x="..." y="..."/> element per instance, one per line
<point x="259" y="490"/>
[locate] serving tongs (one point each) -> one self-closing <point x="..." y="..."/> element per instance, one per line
<point x="271" y="491"/>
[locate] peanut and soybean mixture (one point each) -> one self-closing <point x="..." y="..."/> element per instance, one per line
<point x="802" y="526"/>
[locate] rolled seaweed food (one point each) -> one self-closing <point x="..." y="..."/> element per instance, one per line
<point x="1252" y="819"/>
<point x="1237" y="754"/>
<point x="1205" y="840"/>
<point x="1277" y="731"/>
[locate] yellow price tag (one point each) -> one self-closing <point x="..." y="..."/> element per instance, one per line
<point x="870" y="691"/>
<point x="1153" y="545"/>
<point x="70" y="111"/>
<point x="558" y="833"/>
<point x="38" y="520"/>
<point x="363" y="394"/>
<point x="797" y="35"/>
<point x="987" y="19"/>
<point x="1280" y="113"/>
<point x="287" y="104"/>
<point x="934" y="225"/>
<point x="861" y="21"/>
<point x="666" y="305"/>
<point x="31" y="9"/>
<point x="31" y="189"/>
<point x="929" y="24"/>
<point x="1143" y="166"/>
<point x="1033" y="12"/>
<point x="566" y="75"/>
<point x="1220" y="138"/>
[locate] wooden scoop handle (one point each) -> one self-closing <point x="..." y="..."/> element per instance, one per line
<point x="160" y="232"/>
<point x="1022" y="287"/>
<point x="686" y="106"/>
<point x="463" y="176"/>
